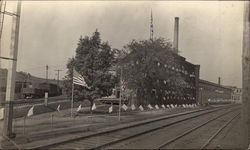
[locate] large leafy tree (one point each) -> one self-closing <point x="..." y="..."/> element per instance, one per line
<point x="93" y="60"/>
<point x="147" y="71"/>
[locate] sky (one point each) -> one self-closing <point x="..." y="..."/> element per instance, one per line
<point x="210" y="32"/>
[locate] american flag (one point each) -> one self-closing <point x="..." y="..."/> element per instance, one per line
<point x="79" y="80"/>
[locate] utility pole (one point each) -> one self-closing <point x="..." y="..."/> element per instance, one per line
<point x="151" y="37"/>
<point x="58" y="71"/>
<point x="2" y="9"/>
<point x="246" y="79"/>
<point x="47" y="69"/>
<point x="10" y="89"/>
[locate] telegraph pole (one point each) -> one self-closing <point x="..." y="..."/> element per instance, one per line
<point x="58" y="71"/>
<point x="2" y="2"/>
<point x="246" y="78"/>
<point x="151" y="37"/>
<point x="10" y="89"/>
<point x="47" y="69"/>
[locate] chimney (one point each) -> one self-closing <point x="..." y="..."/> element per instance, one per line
<point x="176" y="34"/>
<point x="219" y="82"/>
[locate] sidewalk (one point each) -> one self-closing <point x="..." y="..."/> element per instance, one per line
<point x="43" y="129"/>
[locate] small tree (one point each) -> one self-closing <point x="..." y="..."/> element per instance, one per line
<point x="93" y="61"/>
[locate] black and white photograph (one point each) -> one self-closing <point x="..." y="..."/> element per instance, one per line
<point x="108" y="74"/>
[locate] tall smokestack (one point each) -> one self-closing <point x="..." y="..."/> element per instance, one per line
<point x="176" y="34"/>
<point x="219" y="82"/>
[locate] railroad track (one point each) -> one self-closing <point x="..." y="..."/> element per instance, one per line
<point x="106" y="139"/>
<point x="178" y="137"/>
<point x="205" y="145"/>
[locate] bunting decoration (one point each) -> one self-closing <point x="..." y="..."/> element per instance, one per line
<point x="31" y="112"/>
<point x="141" y="108"/>
<point x="133" y="107"/>
<point x="149" y="106"/>
<point x="93" y="107"/>
<point x="111" y="109"/>
<point x="79" y="108"/>
<point x="58" y="108"/>
<point x="124" y="107"/>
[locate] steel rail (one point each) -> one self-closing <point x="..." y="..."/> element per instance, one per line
<point x="190" y="131"/>
<point x="218" y="131"/>
<point x="144" y="132"/>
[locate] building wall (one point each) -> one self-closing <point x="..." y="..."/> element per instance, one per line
<point x="236" y="94"/>
<point x="213" y="91"/>
<point x="181" y="89"/>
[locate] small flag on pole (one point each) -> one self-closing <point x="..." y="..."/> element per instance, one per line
<point x="58" y="108"/>
<point x="149" y="106"/>
<point x="156" y="106"/>
<point x="124" y="107"/>
<point x="172" y="106"/>
<point x="141" y="108"/>
<point x="133" y="107"/>
<point x="79" y="80"/>
<point x="79" y="108"/>
<point x="163" y="106"/>
<point x="168" y="106"/>
<point x="111" y="109"/>
<point x="30" y="112"/>
<point x="93" y="107"/>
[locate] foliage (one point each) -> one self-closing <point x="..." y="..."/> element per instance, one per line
<point x="93" y="61"/>
<point x="146" y="67"/>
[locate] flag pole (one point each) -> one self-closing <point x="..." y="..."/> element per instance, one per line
<point x="72" y="98"/>
<point x="24" y="124"/>
<point x="120" y="100"/>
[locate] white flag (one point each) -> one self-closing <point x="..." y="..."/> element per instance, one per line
<point x="58" y="108"/>
<point x="172" y="106"/>
<point x="93" y="107"/>
<point x="167" y="106"/>
<point x="163" y="106"/>
<point x="156" y="106"/>
<point x="79" y="108"/>
<point x="30" y="112"/>
<point x="176" y="105"/>
<point x="149" y="106"/>
<point x="141" y="108"/>
<point x="133" y="107"/>
<point x="124" y="107"/>
<point x="183" y="105"/>
<point x="111" y="109"/>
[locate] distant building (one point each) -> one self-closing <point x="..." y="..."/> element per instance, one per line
<point x="209" y="91"/>
<point x="23" y="80"/>
<point x="236" y="94"/>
